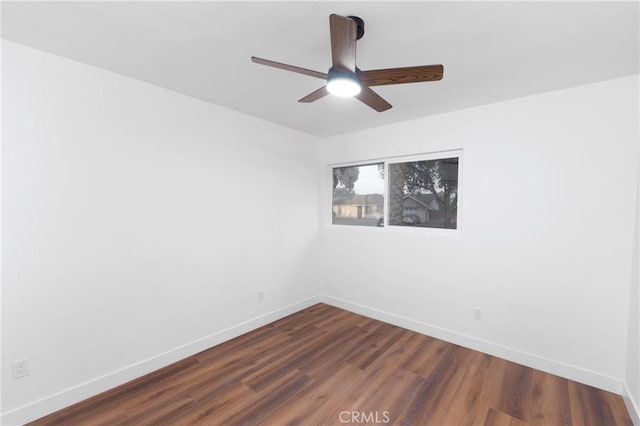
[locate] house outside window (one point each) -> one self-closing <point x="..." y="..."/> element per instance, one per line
<point x="358" y="195"/>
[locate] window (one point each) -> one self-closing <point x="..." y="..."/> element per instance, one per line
<point x="358" y="195"/>
<point x="422" y="192"/>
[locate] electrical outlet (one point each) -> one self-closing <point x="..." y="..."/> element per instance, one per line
<point x="477" y="314"/>
<point x="260" y="296"/>
<point x="20" y="369"/>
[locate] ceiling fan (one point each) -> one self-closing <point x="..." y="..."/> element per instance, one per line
<point x="345" y="79"/>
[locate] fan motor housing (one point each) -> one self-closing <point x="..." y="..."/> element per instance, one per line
<point x="360" y="24"/>
<point x="338" y="73"/>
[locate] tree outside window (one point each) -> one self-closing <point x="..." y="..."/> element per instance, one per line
<point x="424" y="193"/>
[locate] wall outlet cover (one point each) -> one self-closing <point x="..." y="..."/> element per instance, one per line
<point x="20" y="369"/>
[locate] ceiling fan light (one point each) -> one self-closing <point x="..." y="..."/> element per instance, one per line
<point x="343" y="85"/>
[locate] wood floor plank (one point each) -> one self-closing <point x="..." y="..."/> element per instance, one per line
<point x="399" y="352"/>
<point x="619" y="410"/>
<point x="434" y="401"/>
<point x="343" y="389"/>
<point x="392" y="397"/>
<point x="318" y="365"/>
<point x="498" y="418"/>
<point x="373" y="379"/>
<point x="301" y="410"/>
<point x="382" y="344"/>
<point x="335" y="347"/>
<point x="590" y="406"/>
<point x="275" y="396"/>
<point x="211" y="405"/>
<point x="324" y="365"/>
<point x="427" y="398"/>
<point x="470" y="400"/>
<point x="162" y="413"/>
<point x="426" y="356"/>
<point x="550" y="402"/>
<point x="514" y="397"/>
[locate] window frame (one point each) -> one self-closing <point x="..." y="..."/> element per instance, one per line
<point x="452" y="153"/>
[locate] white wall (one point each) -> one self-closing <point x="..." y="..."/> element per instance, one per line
<point x="632" y="376"/>
<point x="138" y="226"/>
<point x="548" y="202"/>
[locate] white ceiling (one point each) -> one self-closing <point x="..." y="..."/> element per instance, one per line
<point x="491" y="51"/>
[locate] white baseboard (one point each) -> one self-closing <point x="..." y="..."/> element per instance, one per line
<point x="632" y="405"/>
<point x="82" y="391"/>
<point x="571" y="372"/>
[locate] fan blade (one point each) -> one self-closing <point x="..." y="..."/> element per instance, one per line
<point x="372" y="99"/>
<point x="289" y="67"/>
<point x="402" y="75"/>
<point x="343" y="42"/>
<point x="314" y="96"/>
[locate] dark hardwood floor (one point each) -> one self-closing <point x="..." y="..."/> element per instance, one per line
<point x="325" y="365"/>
